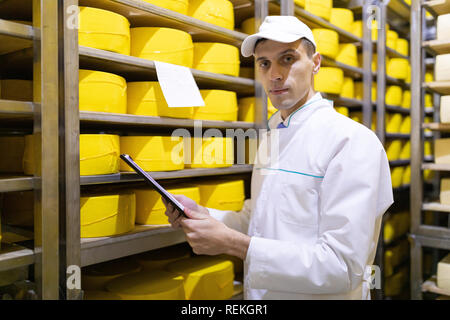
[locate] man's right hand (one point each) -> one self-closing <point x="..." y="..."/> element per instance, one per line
<point x="174" y="216"/>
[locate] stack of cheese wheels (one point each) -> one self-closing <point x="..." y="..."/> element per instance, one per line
<point x="150" y="209"/>
<point x="102" y="92"/>
<point x="248" y="26"/>
<point x="99" y="154"/>
<point x="445" y="109"/>
<point x="402" y="46"/>
<point x="327" y="42"/>
<point x="348" y="54"/>
<point x="394" y="95"/>
<point x="405" y="154"/>
<point x="219" y="105"/>
<point x="145" y="98"/>
<point x="18" y="208"/>
<point x="104" y="30"/>
<point x="162" y="44"/>
<point x="11" y="161"/>
<point x="393" y="256"/>
<point x="442" y="67"/>
<point x="247" y="109"/>
<point x="180" y="6"/>
<point x="393" y="149"/>
<point x="342" y="18"/>
<point x="348" y="88"/>
<point x="205" y="277"/>
<point x="160" y="258"/>
<point x="397" y="68"/>
<point x="216" y="58"/>
<point x="329" y="80"/>
<point x="95" y="277"/>
<point x="406" y="179"/>
<point x="396" y="226"/>
<point x="217" y="12"/>
<point x="155" y="285"/>
<point x="16" y="89"/>
<point x="396" y="176"/>
<point x="209" y="152"/>
<point x="320" y="8"/>
<point x="394" y="122"/>
<point x="153" y="153"/>
<point x="103" y="215"/>
<point x="391" y="39"/>
<point x="222" y="194"/>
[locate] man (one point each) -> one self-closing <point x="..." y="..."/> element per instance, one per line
<point x="311" y="226"/>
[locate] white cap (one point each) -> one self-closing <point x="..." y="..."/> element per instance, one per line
<point x="278" y="28"/>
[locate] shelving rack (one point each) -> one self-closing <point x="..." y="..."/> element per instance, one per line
<point x="437" y="237"/>
<point x="42" y="36"/>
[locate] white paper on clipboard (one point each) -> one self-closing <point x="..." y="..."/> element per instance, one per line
<point x="178" y="86"/>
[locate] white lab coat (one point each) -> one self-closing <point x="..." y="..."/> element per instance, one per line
<point x="314" y="216"/>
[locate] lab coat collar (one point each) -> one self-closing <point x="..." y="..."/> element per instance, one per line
<point x="299" y="115"/>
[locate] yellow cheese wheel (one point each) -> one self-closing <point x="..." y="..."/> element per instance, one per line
<point x="209" y="152"/>
<point x="150" y="209"/>
<point x="219" y="105"/>
<point x="18" y="208"/>
<point x="348" y="88"/>
<point x="396" y="176"/>
<point x="162" y="44"/>
<point x="408" y="73"/>
<point x="397" y="68"/>
<point x="329" y="80"/>
<point x="394" y="95"/>
<point x="348" y="54"/>
<point x="99" y="154"/>
<point x="406" y="125"/>
<point x="393" y="149"/>
<point x="107" y="215"/>
<point x="155" y="285"/>
<point x="429" y="77"/>
<point x="402" y="46"/>
<point x="406" y="101"/>
<point x="248" y="26"/>
<point x="145" y="98"/>
<point x="342" y="18"/>
<point x="159" y="258"/>
<point x="342" y="110"/>
<point x="357" y="29"/>
<point x="320" y="8"/>
<point x="428" y="174"/>
<point x="391" y="39"/>
<point x="216" y="58"/>
<point x="180" y="6"/>
<point x="217" y="12"/>
<point x="205" y="277"/>
<point x="406" y="178"/>
<point x="427" y="147"/>
<point x="153" y="153"/>
<point x="405" y="154"/>
<point x="375" y="30"/>
<point x="327" y="41"/>
<point x="222" y="194"/>
<point x="95" y="277"/>
<point x="396" y="225"/>
<point x="104" y="30"/>
<point x="16" y="89"/>
<point x="300" y="3"/>
<point x="102" y="92"/>
<point x="394" y="122"/>
<point x="246" y="109"/>
<point x="11" y="161"/>
<point x="429" y="100"/>
<point x="393" y="256"/>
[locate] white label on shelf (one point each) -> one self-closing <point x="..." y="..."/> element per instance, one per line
<point x="178" y="86"/>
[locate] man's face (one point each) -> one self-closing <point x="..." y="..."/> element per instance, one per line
<point x="285" y="71"/>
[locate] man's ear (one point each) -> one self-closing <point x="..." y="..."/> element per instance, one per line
<point x="316" y="59"/>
